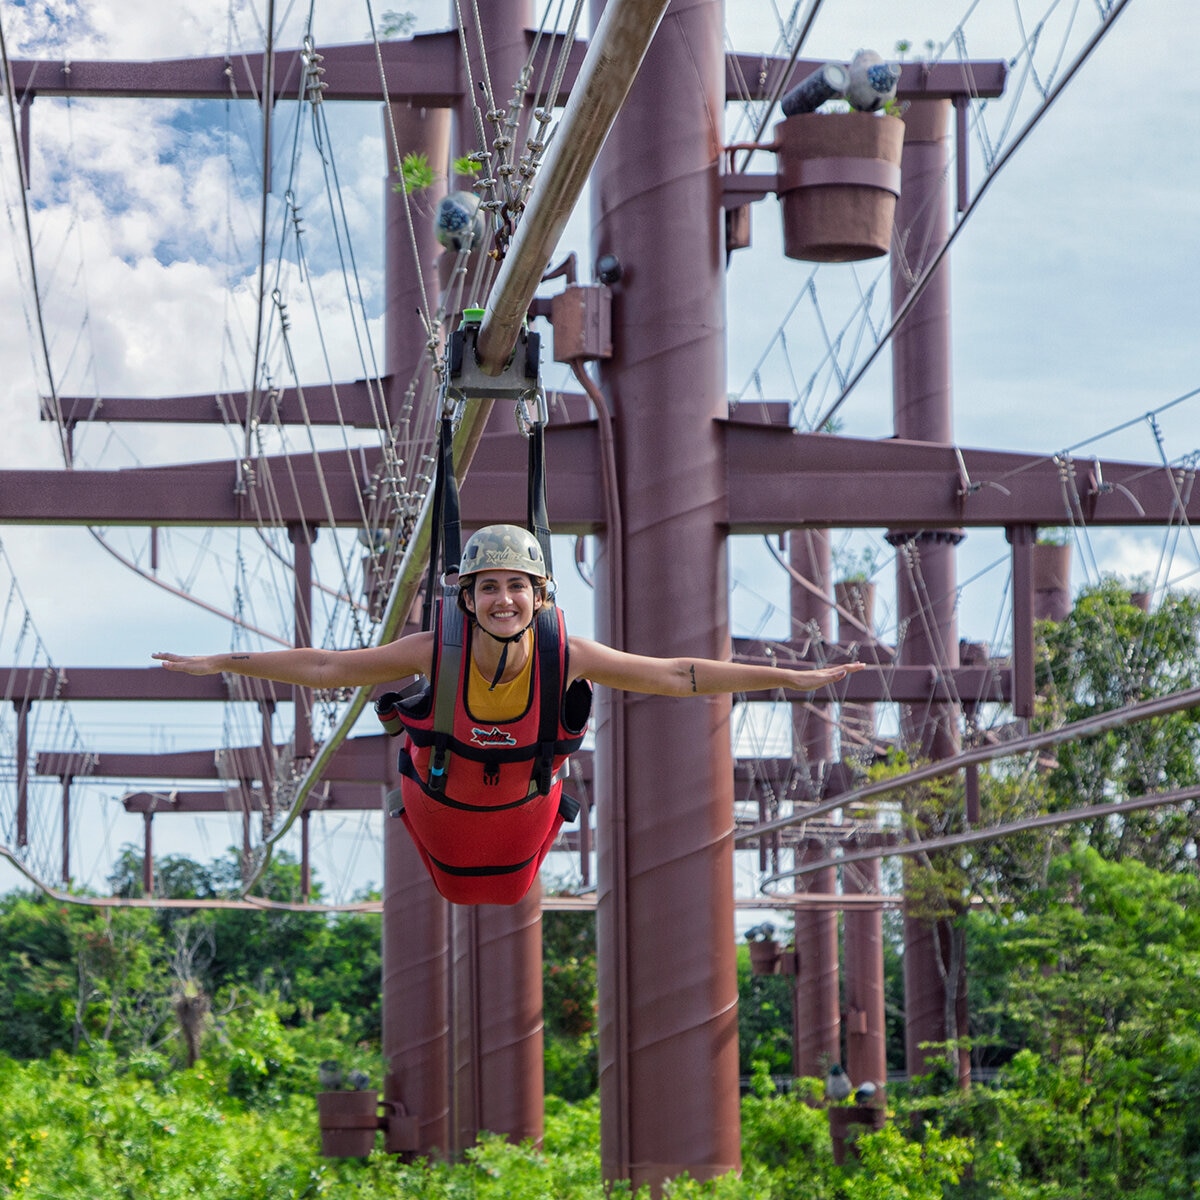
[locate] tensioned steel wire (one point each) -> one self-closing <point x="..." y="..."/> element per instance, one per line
<point x="862" y="330"/>
<point x="1048" y="89"/>
<point x="1125" y="659"/>
<point x="996" y="151"/>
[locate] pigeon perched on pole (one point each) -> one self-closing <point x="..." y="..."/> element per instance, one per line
<point x="872" y="81"/>
<point x="865" y="1093"/>
<point x="329" y="1075"/>
<point x="837" y="1084"/>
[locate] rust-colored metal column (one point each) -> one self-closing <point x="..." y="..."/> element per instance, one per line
<point x="668" y="995"/>
<point x="416" y="928"/>
<point x="1022" y="538"/>
<point x="65" y="780"/>
<point x="412" y="250"/>
<point x="866" y="1028"/>
<point x="305" y="857"/>
<point x="816" y="1015"/>
<point x="22" y="710"/>
<point x="266" y="711"/>
<point x="502" y="32"/>
<point x="862" y="930"/>
<point x="302" y="537"/>
<point x="416" y="980"/>
<point x="147" y="854"/>
<point x="816" y="1004"/>
<point x="926" y="581"/>
<point x="498" y="1044"/>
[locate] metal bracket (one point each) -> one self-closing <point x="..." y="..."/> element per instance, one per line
<point x="466" y="379"/>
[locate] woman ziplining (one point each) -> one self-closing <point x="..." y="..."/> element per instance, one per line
<point x="506" y="698"/>
<point x="485" y="805"/>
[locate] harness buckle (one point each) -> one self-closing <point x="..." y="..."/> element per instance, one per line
<point x="437" y="769"/>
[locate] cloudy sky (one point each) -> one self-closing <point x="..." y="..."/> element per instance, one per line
<point x="1073" y="284"/>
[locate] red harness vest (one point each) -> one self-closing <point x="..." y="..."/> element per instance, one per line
<point x="484" y="832"/>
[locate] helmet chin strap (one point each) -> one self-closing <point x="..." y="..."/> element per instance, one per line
<point x="505" y="642"/>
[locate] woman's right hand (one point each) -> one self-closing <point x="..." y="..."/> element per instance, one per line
<point x="187" y="664"/>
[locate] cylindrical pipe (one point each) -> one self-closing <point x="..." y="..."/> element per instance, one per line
<point x="66" y="831"/>
<point x="416" y="1020"/>
<point x="921" y="360"/>
<point x="810" y="558"/>
<point x="817" y="1035"/>
<point x="302" y="537"/>
<point x="412" y="250"/>
<point x="147" y="854"/>
<point x="22" y="710"/>
<point x="866" y="1030"/>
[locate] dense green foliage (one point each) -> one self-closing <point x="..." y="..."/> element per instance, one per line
<point x="1090" y="990"/>
<point x="88" y="1128"/>
<point x="569" y="1004"/>
<point x="1106" y="654"/>
<point x="140" y="980"/>
<point x="168" y="1053"/>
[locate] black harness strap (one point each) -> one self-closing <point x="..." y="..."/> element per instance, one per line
<point x="448" y="633"/>
<point x="538" y="519"/>
<point x="446" y="535"/>
<point x="549" y="662"/>
<point x="480" y="871"/>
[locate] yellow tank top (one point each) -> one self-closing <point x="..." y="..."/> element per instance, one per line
<point x="506" y="701"/>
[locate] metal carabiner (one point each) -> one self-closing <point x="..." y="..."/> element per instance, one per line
<point x="525" y="422"/>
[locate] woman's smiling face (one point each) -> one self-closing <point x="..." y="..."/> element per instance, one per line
<point x="504" y="602"/>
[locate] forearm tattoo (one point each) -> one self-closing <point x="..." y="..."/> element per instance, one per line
<point x="692" y="672"/>
<point x="239" y="657"/>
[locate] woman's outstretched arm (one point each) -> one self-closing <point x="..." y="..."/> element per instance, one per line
<point x="306" y="667"/>
<point x="691" y="676"/>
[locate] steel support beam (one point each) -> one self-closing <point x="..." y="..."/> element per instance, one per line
<point x="779" y="480"/>
<point x="342" y="797"/>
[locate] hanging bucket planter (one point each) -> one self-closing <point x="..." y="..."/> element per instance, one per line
<point x="401" y="1132"/>
<point x="839" y="176"/>
<point x="349" y="1122"/>
<point x="765" y="957"/>
<point x="847" y="1122"/>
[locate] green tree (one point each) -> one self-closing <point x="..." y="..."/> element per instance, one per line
<point x="1097" y="975"/>
<point x="764" y="1019"/>
<point x="38" y="982"/>
<point x="1106" y="654"/>
<point x="569" y="1003"/>
<point x="311" y="960"/>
